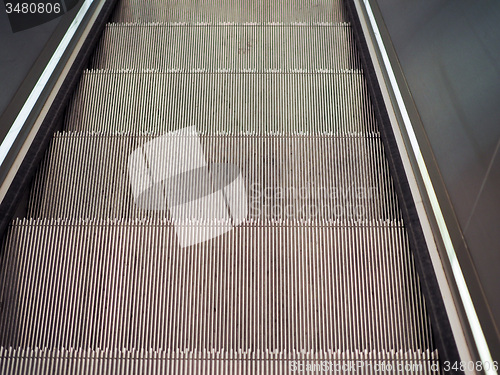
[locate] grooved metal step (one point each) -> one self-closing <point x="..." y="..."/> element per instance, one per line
<point x="222" y="102"/>
<point x="319" y="269"/>
<point x="113" y="284"/>
<point x="293" y="177"/>
<point x="232" y="47"/>
<point x="241" y="11"/>
<point x="215" y="362"/>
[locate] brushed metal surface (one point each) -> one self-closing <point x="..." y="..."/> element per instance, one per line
<point x="115" y="284"/>
<point x="220" y="11"/>
<point x="226" y="47"/>
<point x="315" y="102"/>
<point x="291" y="178"/>
<point x="275" y="89"/>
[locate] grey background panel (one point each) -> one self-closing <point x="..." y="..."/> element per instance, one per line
<point x="18" y="54"/>
<point x="24" y="56"/>
<point x="449" y="52"/>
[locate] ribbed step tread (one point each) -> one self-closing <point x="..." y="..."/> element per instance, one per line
<point x="112" y="284"/>
<point x="234" y="48"/>
<point x="292" y="177"/>
<point x="188" y="362"/>
<point x="221" y="102"/>
<point x="207" y="11"/>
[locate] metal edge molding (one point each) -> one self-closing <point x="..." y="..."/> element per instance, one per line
<point x="13" y="108"/>
<point x="456" y="294"/>
<point x="42" y="82"/>
<point x="23" y="148"/>
<point x="435" y="287"/>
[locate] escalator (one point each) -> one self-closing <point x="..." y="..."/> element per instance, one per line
<point x="319" y="272"/>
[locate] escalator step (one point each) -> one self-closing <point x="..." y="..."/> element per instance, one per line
<point x="214" y="362"/>
<point x="219" y="11"/>
<point x="294" y="177"/>
<point x="113" y="284"/>
<point x="232" y="48"/>
<point x="222" y="103"/>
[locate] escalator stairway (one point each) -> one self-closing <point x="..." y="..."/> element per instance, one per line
<point x="320" y="269"/>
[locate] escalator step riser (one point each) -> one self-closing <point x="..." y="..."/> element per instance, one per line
<point x="203" y="363"/>
<point x="221" y="103"/>
<point x="126" y="284"/>
<point x="209" y="11"/>
<point x="233" y="48"/>
<point x="285" y="178"/>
